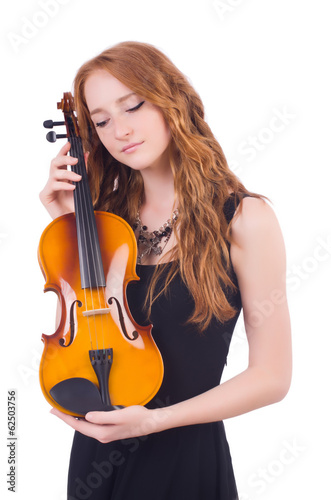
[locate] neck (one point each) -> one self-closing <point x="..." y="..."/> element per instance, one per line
<point x="159" y="191"/>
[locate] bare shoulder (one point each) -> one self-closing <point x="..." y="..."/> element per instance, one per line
<point x="255" y="215"/>
<point x="256" y="232"/>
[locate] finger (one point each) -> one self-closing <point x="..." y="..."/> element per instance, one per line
<point x="63" y="186"/>
<point x="87" y="428"/>
<point x="68" y="419"/>
<point x="66" y="175"/>
<point x="63" y="161"/>
<point x="65" y="149"/>
<point x="103" y="417"/>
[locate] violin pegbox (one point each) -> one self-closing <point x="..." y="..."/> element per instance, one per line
<point x="66" y="105"/>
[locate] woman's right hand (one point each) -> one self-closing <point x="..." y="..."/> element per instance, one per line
<point x="57" y="195"/>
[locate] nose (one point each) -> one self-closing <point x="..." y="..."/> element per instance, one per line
<point x="121" y="128"/>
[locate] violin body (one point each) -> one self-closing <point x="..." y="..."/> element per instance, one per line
<point x="137" y="371"/>
<point x="99" y="358"/>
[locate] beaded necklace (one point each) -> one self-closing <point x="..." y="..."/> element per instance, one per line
<point x="151" y="241"/>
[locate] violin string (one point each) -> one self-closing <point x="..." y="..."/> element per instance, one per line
<point x="87" y="229"/>
<point x="82" y="237"/>
<point x="85" y="223"/>
<point x="97" y="266"/>
<point x="97" y="261"/>
<point x="89" y="214"/>
<point x="80" y="230"/>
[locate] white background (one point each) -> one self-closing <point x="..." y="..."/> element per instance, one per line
<point x="251" y="61"/>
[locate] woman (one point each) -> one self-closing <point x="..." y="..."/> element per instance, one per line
<point x="152" y="158"/>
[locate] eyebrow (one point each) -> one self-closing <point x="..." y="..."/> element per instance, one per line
<point x="118" y="101"/>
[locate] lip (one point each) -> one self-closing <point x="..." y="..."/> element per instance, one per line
<point x="130" y="148"/>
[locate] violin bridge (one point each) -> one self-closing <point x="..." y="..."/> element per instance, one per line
<point x="94" y="312"/>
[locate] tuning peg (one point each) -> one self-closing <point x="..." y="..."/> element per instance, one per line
<point x="51" y="124"/>
<point x="52" y="136"/>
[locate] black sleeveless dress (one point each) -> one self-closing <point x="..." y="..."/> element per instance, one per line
<point x="191" y="462"/>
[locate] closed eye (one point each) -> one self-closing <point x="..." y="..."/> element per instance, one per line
<point x="102" y="124"/>
<point x="136" y="107"/>
<point x="131" y="110"/>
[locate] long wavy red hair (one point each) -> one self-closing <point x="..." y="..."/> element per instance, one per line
<point x="202" y="177"/>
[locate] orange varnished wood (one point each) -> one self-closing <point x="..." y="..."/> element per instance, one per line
<point x="137" y="369"/>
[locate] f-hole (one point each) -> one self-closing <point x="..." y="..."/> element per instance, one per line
<point x="72" y="324"/>
<point x="135" y="334"/>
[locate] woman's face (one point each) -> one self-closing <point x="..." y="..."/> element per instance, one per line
<point x="132" y="129"/>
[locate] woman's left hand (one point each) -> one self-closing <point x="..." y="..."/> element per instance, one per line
<point x="107" y="426"/>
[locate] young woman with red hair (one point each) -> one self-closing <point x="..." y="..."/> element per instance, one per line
<point x="153" y="160"/>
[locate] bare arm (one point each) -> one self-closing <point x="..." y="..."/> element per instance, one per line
<point x="258" y="256"/>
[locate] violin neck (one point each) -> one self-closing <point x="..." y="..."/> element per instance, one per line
<point x="91" y="268"/>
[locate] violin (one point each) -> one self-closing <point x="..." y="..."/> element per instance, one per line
<point x="99" y="358"/>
